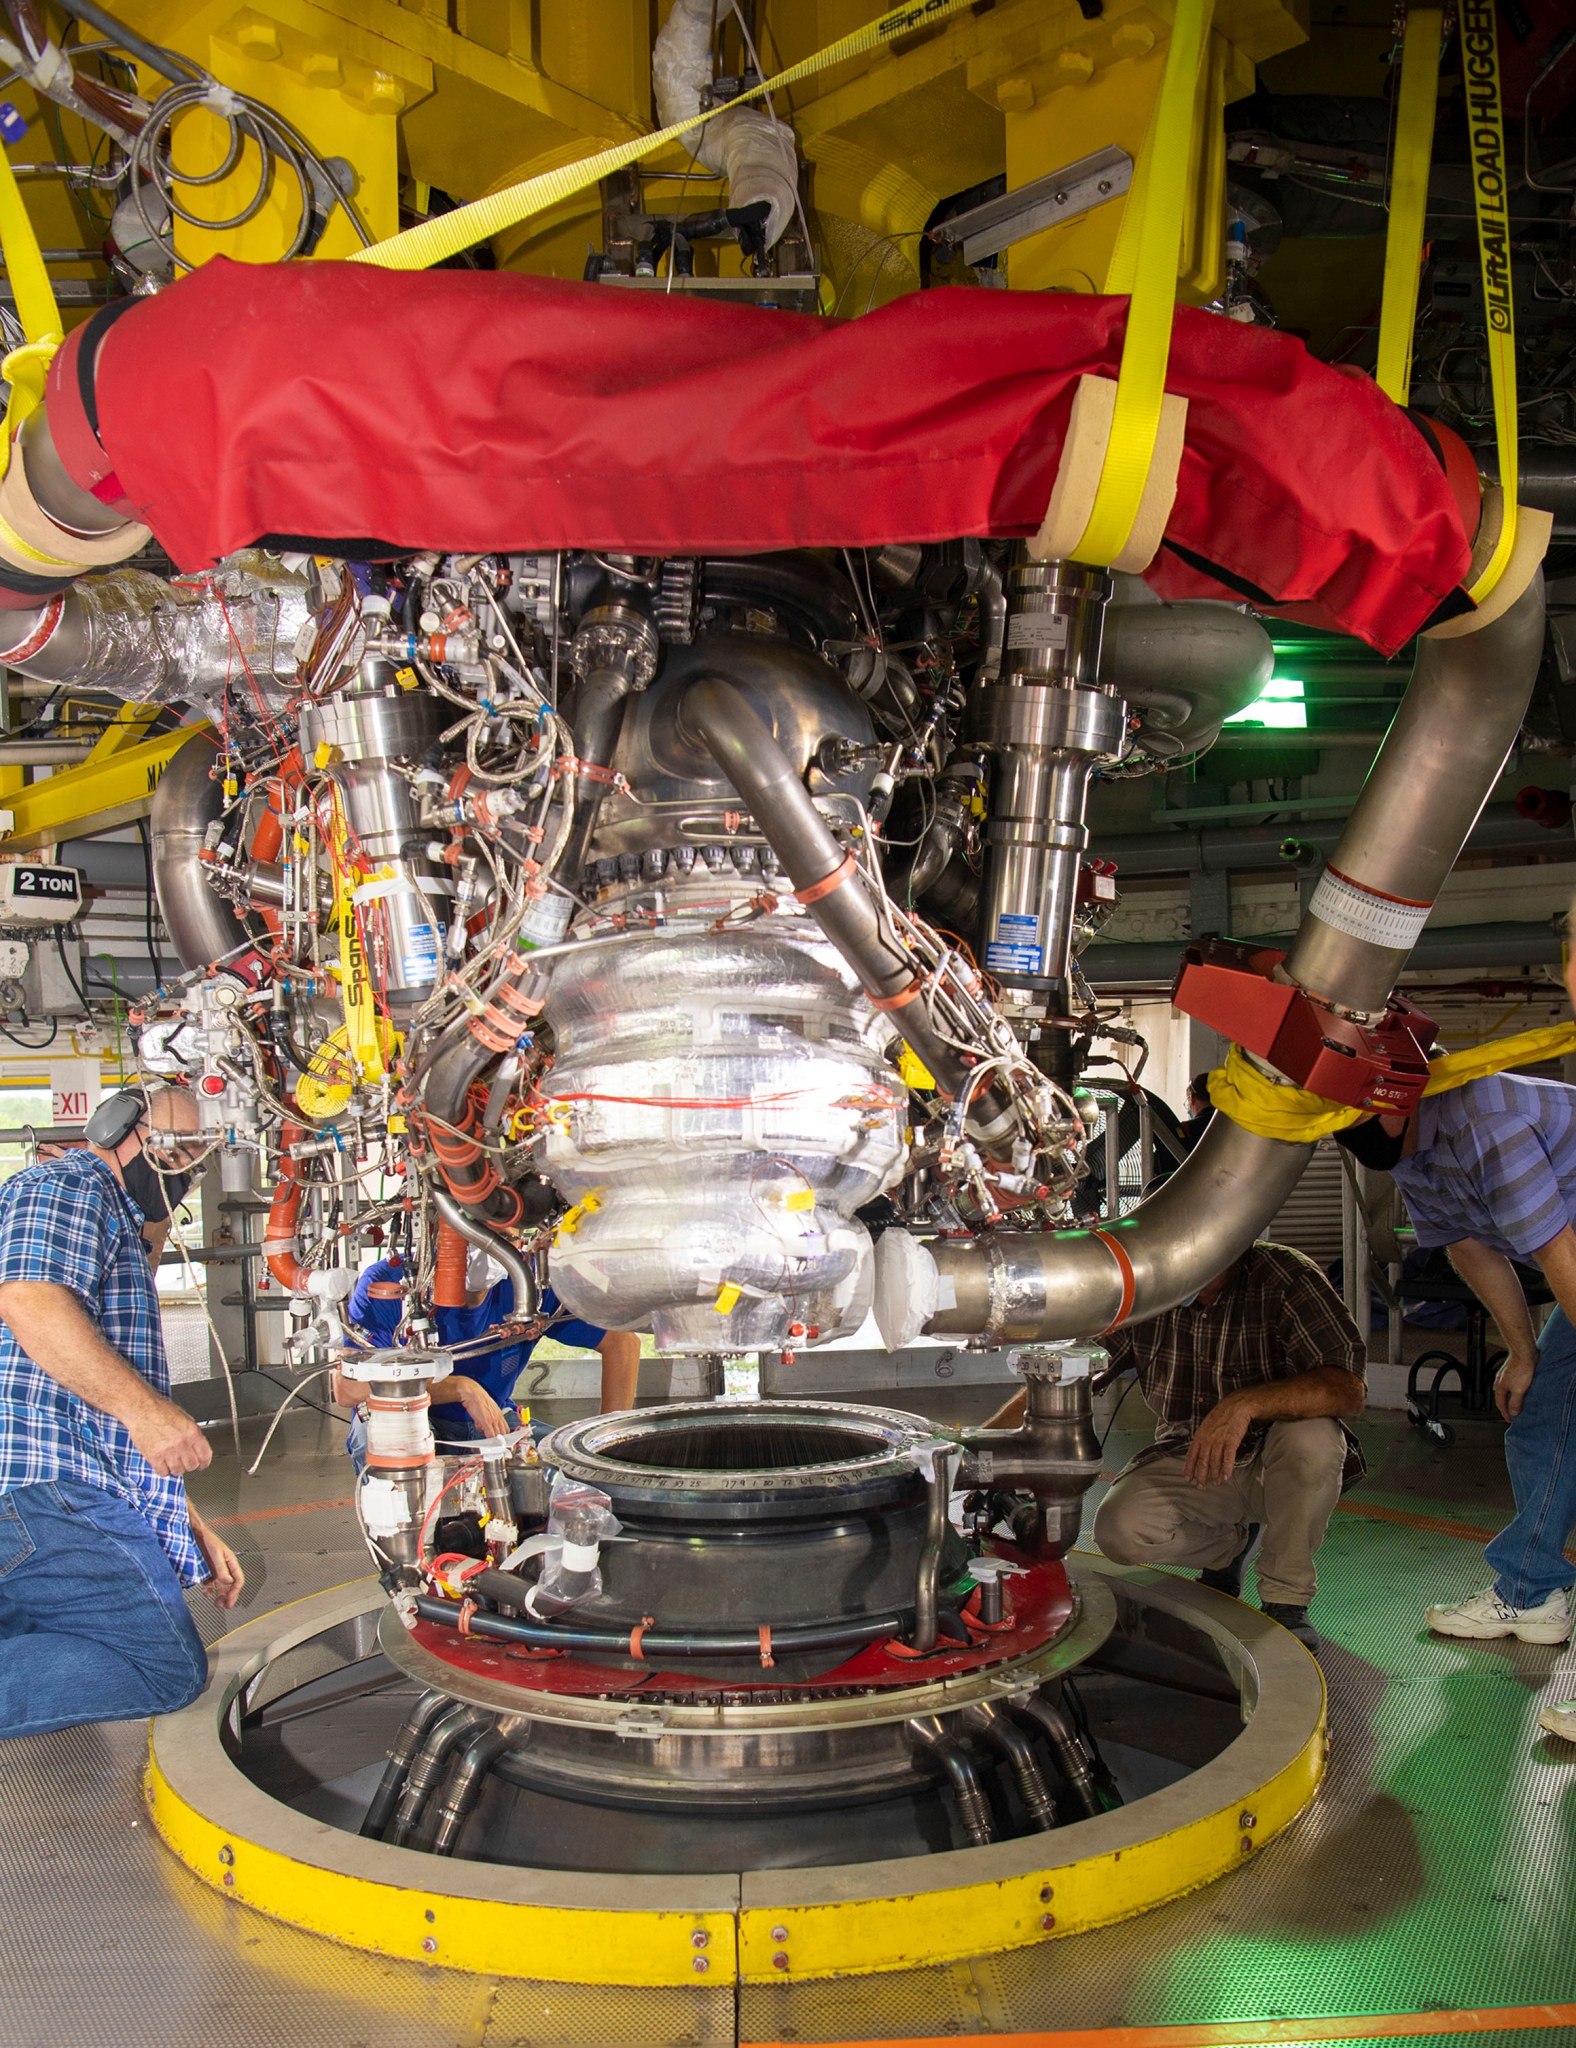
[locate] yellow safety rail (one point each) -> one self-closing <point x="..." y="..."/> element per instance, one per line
<point x="1144" y="265"/>
<point x="433" y="241"/>
<point x="1416" y="103"/>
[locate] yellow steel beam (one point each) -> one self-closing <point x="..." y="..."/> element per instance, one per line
<point x="104" y="791"/>
<point x="130" y="724"/>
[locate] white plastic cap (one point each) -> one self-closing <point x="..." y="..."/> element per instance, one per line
<point x="907" y="1289"/>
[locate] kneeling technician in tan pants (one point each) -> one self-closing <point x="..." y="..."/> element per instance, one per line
<point x="1247" y="1380"/>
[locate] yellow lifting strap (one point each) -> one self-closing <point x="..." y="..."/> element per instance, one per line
<point x="432" y="241"/>
<point x="1416" y="102"/>
<point x="26" y="368"/>
<point x="1144" y="265"/>
<point x="1491" y="199"/>
<point x="1270" y="1109"/>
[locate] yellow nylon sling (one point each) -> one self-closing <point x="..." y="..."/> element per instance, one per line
<point x="1270" y="1109"/>
<point x="1421" y="46"/>
<point x="1144" y="265"/>
<point x="25" y="368"/>
<point x="432" y="241"/>
<point x="1491" y="201"/>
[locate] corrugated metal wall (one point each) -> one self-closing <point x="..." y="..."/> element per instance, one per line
<point x="1311" y="1220"/>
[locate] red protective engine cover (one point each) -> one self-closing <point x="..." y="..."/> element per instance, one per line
<point x="470" y="411"/>
<point x="1379" y="1066"/>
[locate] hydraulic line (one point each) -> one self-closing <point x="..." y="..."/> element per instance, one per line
<point x="1003" y="1734"/>
<point x="417" y="1726"/>
<point x="972" y="1804"/>
<point x="464" y="1788"/>
<point x="1055" y="1723"/>
<point x="443" y="1738"/>
<point x="505" y="1628"/>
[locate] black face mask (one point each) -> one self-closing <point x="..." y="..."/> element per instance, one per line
<point x="155" y="1195"/>
<point x="1371" y="1145"/>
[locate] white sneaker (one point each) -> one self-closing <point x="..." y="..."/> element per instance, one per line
<point x="1486" y="1615"/>
<point x="1560" y="1719"/>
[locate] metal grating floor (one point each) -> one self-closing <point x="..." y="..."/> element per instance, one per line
<point x="1436" y="1874"/>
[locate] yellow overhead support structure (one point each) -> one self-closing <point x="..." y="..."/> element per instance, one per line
<point x="114" y="786"/>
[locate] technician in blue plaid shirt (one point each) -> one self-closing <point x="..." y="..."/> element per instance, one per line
<point x="1488" y="1170"/>
<point x="97" y="1538"/>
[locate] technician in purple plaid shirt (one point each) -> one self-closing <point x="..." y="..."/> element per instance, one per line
<point x="97" y="1538"/>
<point x="1488" y="1170"/>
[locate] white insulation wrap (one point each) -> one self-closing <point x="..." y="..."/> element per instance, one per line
<point x="194" y="642"/>
<point x="752" y="151"/>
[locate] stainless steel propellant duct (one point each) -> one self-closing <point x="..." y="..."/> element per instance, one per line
<point x="147" y="641"/>
<point x="202" y="925"/>
<point x="1046" y="723"/>
<point x="1429" y="783"/>
<point x="367" y="733"/>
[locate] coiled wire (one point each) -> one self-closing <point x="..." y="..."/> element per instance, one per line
<point x="248" y="120"/>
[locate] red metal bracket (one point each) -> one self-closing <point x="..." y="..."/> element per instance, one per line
<point x="1381" y="1066"/>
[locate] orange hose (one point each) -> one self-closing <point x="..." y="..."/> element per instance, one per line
<point x="266" y="842"/>
<point x="448" y="1286"/>
<point x="284" y="1215"/>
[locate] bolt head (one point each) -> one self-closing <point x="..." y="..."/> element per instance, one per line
<point x="1247" y="1819"/>
<point x="700" y="1965"/>
<point x="226" y="1854"/>
<point x="1103" y="187"/>
<point x="779" y="1935"/>
<point x="700" y="1938"/>
<point x="1046" y="1894"/>
<point x="779" y="1961"/>
<point x="429" y="1946"/>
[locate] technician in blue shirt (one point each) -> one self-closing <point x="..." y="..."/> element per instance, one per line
<point x="477" y="1400"/>
<point x="97" y="1538"/>
<point x="1488" y="1170"/>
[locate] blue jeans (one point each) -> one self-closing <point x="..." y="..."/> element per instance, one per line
<point x="1540" y="1448"/>
<point x="93" y="1622"/>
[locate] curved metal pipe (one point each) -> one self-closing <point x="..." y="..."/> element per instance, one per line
<point x="1439" y="761"/>
<point x="973" y="1806"/>
<point x="1017" y="1287"/>
<point x="1425" y="792"/>
<point x="201" y="925"/>
<point x="927" y="1576"/>
<point x="1185" y="667"/>
<point x="467" y="1224"/>
<point x="746" y="750"/>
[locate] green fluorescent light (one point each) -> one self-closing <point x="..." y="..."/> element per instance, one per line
<point x="1281" y="706"/>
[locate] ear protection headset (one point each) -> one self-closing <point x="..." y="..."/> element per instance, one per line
<point x="116" y="1117"/>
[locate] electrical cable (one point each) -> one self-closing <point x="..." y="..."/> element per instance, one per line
<point x="54" y="1031"/>
<point x="167" y="63"/>
<point x="150" y="903"/>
